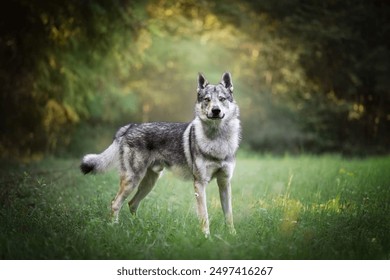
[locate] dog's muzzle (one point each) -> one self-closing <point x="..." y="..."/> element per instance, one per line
<point x="215" y="113"/>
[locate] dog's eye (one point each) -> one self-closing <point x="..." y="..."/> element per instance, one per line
<point x="207" y="99"/>
<point x="222" y="99"/>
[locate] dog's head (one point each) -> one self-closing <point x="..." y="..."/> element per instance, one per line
<point x="215" y="102"/>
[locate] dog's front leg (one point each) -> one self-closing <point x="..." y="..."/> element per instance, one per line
<point x="225" y="195"/>
<point x="200" y="194"/>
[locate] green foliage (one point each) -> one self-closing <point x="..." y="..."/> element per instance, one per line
<point x="64" y="63"/>
<point x="309" y="75"/>
<point x="342" y="49"/>
<point x="284" y="208"/>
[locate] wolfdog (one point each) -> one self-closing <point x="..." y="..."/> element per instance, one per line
<point x="202" y="150"/>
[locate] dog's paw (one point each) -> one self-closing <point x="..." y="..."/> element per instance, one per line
<point x="113" y="223"/>
<point x="206" y="233"/>
<point x="232" y="231"/>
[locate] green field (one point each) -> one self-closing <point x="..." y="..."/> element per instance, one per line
<point x="304" y="207"/>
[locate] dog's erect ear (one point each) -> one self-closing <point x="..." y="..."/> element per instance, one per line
<point x="202" y="82"/>
<point x="226" y="81"/>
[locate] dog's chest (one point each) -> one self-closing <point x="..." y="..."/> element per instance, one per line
<point x="221" y="145"/>
<point x="217" y="150"/>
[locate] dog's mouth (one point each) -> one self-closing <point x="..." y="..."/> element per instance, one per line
<point x="216" y="117"/>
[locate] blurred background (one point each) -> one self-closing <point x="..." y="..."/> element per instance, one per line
<point x="309" y="76"/>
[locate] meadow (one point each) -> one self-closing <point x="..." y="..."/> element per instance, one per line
<point x="303" y="207"/>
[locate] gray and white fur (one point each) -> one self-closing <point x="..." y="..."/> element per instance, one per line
<point x="200" y="150"/>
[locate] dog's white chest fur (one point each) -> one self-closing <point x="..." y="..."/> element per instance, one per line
<point x="222" y="143"/>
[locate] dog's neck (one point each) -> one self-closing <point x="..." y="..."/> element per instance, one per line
<point x="223" y="137"/>
<point x="214" y="128"/>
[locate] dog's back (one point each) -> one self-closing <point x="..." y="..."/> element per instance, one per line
<point x="156" y="143"/>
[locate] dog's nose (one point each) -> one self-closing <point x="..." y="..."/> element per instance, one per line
<point x="215" y="110"/>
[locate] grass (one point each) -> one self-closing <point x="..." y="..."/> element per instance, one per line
<point x="303" y="207"/>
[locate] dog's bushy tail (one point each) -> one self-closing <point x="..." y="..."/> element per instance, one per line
<point x="96" y="163"/>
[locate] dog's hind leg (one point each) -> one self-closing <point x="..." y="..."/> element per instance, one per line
<point x="225" y="195"/>
<point x="128" y="183"/>
<point x="144" y="189"/>
<point x="200" y="194"/>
